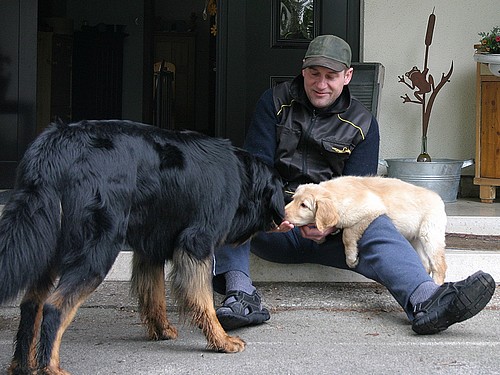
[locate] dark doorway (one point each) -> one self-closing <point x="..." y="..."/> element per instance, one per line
<point x="250" y="56"/>
<point x="18" y="41"/>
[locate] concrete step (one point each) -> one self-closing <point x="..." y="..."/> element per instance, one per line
<point x="461" y="264"/>
<point x="478" y="225"/>
<point x="473" y="243"/>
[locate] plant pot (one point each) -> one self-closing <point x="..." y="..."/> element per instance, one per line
<point x="439" y="175"/>
<point x="492" y="59"/>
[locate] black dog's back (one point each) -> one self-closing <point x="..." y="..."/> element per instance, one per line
<point x="95" y="184"/>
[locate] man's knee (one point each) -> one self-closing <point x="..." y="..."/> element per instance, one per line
<point x="274" y="247"/>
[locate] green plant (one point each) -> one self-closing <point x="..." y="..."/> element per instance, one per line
<point x="490" y="42"/>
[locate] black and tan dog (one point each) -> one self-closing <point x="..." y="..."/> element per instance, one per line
<point x="86" y="190"/>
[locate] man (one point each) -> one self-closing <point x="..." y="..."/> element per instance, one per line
<point x="312" y="130"/>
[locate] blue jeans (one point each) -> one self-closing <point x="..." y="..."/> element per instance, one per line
<point x="385" y="256"/>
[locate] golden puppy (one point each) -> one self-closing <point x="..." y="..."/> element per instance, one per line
<point x="352" y="203"/>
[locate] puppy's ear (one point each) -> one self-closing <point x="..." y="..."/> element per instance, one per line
<point x="326" y="214"/>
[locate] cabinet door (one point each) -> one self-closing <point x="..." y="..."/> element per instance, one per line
<point x="490" y="129"/>
<point x="180" y="51"/>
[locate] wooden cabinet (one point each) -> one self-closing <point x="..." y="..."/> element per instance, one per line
<point x="54" y="66"/>
<point x="179" y="49"/>
<point x="487" y="174"/>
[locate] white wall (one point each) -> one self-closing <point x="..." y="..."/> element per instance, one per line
<point x="394" y="35"/>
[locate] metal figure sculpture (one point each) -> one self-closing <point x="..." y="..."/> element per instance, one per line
<point x="422" y="83"/>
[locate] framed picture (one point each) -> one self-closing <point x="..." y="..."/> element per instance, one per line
<point x="294" y="22"/>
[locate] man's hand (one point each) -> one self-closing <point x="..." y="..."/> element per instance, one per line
<point x="285" y="226"/>
<point x="312" y="233"/>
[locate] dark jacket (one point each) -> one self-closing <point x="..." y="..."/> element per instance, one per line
<point x="309" y="145"/>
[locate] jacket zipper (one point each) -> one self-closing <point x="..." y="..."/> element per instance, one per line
<point x="305" y="165"/>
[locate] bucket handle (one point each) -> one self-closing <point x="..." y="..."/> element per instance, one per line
<point x="467" y="163"/>
<point x="383" y="163"/>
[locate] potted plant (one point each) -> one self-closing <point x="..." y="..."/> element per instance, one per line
<point x="441" y="175"/>
<point x="488" y="51"/>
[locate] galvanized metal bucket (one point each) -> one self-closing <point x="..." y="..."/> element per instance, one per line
<point x="439" y="175"/>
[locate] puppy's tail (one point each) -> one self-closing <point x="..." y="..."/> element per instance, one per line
<point x="29" y="227"/>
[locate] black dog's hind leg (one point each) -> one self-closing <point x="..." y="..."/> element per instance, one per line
<point x="58" y="312"/>
<point x="79" y="277"/>
<point x="148" y="284"/>
<point x="24" y="360"/>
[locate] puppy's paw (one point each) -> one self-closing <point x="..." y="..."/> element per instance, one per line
<point x="438" y="278"/>
<point x="352" y="262"/>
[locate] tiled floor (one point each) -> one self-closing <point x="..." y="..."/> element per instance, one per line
<point x="473" y="207"/>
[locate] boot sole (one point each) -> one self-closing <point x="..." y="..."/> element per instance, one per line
<point x="233" y="321"/>
<point x="469" y="301"/>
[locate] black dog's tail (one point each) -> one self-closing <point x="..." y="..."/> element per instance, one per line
<point x="29" y="227"/>
<point x="31" y="219"/>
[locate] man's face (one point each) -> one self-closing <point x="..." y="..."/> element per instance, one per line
<point x="323" y="86"/>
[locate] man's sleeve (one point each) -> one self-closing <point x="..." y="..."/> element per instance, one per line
<point x="260" y="139"/>
<point x="364" y="158"/>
